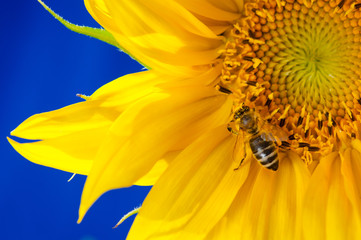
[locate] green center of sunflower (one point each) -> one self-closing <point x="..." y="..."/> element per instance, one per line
<point x="298" y="64"/>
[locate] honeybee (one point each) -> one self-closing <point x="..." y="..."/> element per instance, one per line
<point x="262" y="144"/>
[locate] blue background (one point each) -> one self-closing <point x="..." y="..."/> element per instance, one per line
<point x="43" y="65"/>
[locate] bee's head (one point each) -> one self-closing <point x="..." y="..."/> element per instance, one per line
<point x="245" y="118"/>
<point x="240" y="112"/>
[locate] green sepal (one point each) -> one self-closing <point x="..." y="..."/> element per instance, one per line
<point x="98" y="33"/>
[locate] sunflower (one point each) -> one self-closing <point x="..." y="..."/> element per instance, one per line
<point x="292" y="67"/>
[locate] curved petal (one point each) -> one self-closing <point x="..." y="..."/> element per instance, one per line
<point x="73" y="152"/>
<point x="194" y="192"/>
<point x="100" y="110"/>
<point x="240" y="4"/>
<point x="123" y="91"/>
<point x="351" y="170"/>
<point x="64" y="121"/>
<point x="71" y="136"/>
<point x="228" y="5"/>
<point x="157" y="170"/>
<point x="158" y="33"/>
<point x="148" y="130"/>
<point x="218" y="16"/>
<point x="216" y="10"/>
<point x="332" y="201"/>
<point x="269" y="204"/>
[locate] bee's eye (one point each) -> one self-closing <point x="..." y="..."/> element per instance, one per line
<point x="238" y="114"/>
<point x="246" y="121"/>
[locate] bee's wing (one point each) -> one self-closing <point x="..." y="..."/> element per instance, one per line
<point x="280" y="141"/>
<point x="274" y="130"/>
<point x="239" y="149"/>
<point x="268" y="136"/>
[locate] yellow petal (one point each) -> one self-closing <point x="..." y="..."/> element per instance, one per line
<point x="239" y="3"/>
<point x="269" y="204"/>
<point x="351" y="170"/>
<point x="127" y="89"/>
<point x="144" y="133"/>
<point x="161" y="33"/>
<point x="210" y="9"/>
<point x="204" y="75"/>
<point x="329" y="213"/>
<point x="157" y="170"/>
<point x="64" y="121"/>
<point x="73" y="152"/>
<point x="102" y="108"/>
<point x="166" y="15"/>
<point x="194" y="192"/>
<point x="71" y="136"/>
<point x="228" y="5"/>
<point x="216" y="15"/>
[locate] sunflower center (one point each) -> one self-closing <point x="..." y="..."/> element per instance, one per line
<point x="298" y="64"/>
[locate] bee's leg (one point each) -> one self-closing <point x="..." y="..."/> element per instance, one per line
<point x="230" y="129"/>
<point x="244" y="157"/>
<point x="279" y="143"/>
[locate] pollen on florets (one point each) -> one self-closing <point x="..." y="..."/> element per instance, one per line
<point x="297" y="63"/>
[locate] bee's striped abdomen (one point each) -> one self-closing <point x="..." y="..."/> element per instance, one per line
<point x="264" y="151"/>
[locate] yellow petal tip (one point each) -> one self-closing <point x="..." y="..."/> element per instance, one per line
<point x="82" y="213"/>
<point x="12" y="142"/>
